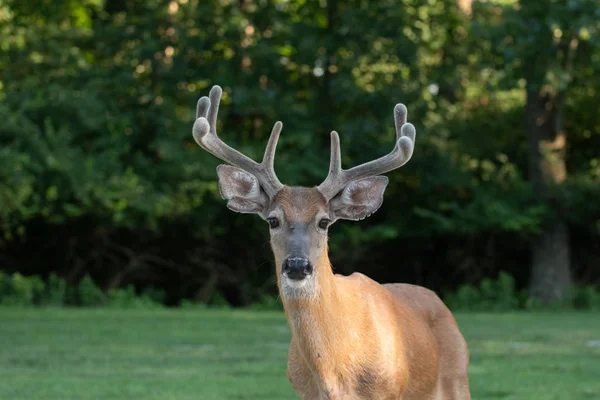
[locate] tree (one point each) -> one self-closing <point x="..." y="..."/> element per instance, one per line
<point x="536" y="46"/>
<point x="99" y="173"/>
<point x="554" y="29"/>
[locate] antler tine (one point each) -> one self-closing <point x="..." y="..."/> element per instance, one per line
<point x="402" y="128"/>
<point x="269" y="157"/>
<point x="338" y="178"/>
<point x="202" y="107"/>
<point x="205" y="134"/>
<point x="335" y="161"/>
<point x="335" y="175"/>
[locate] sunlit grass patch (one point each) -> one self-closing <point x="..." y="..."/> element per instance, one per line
<point x="212" y="354"/>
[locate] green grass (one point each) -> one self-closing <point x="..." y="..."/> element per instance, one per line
<point x="207" y="354"/>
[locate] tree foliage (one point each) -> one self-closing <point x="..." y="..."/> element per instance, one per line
<point x="100" y="176"/>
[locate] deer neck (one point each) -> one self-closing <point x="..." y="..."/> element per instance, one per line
<point x="323" y="323"/>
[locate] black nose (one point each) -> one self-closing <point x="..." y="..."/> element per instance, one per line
<point x="297" y="267"/>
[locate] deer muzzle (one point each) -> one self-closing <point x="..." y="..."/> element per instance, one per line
<point x="297" y="267"/>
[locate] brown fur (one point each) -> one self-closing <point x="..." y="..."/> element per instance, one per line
<point x="357" y="339"/>
<point x="299" y="203"/>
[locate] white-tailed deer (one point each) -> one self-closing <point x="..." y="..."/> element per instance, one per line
<point x="352" y="338"/>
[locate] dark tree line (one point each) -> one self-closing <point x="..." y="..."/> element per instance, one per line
<point x="99" y="173"/>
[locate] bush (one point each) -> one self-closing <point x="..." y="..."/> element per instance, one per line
<point x="217" y="300"/>
<point x="19" y="290"/>
<point x="501" y="295"/>
<point x="268" y="303"/>
<point x="55" y="293"/>
<point x="90" y="295"/>
<point x="497" y="294"/>
<point x="186" y="304"/>
<point x="127" y="298"/>
<point x="585" y="298"/>
<point x="490" y="295"/>
<point x="156" y="295"/>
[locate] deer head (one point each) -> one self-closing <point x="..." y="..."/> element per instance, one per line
<point x="299" y="217"/>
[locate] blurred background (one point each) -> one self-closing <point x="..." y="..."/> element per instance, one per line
<point x="105" y="197"/>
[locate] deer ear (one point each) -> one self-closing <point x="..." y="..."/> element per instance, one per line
<point x="241" y="190"/>
<point x="360" y="198"/>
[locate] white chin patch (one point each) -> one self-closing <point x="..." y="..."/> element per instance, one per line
<point x="293" y="283"/>
<point x="305" y="288"/>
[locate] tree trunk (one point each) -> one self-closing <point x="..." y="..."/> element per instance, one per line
<point x="550" y="272"/>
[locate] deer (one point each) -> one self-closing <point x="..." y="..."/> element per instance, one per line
<point x="351" y="337"/>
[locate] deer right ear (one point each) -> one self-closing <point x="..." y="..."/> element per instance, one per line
<point x="359" y="199"/>
<point x="241" y="190"/>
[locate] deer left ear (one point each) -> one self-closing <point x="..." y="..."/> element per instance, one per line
<point x="360" y="198"/>
<point x="241" y="190"/>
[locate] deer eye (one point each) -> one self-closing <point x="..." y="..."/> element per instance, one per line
<point x="273" y="222"/>
<point x="324" y="223"/>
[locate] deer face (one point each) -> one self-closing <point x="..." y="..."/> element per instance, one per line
<point x="299" y="217"/>
<point x="298" y="220"/>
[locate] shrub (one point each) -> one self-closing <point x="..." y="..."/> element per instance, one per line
<point x="186" y="304"/>
<point x="501" y="295"/>
<point x="268" y="303"/>
<point x="55" y="293"/>
<point x="157" y="295"/>
<point x="127" y="298"/>
<point x="90" y="295"/>
<point x="585" y="298"/>
<point x="217" y="300"/>
<point x="490" y="295"/>
<point x="19" y="290"/>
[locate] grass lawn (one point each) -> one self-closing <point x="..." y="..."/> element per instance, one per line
<point x="210" y="354"/>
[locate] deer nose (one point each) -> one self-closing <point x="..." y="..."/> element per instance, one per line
<point x="297" y="268"/>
